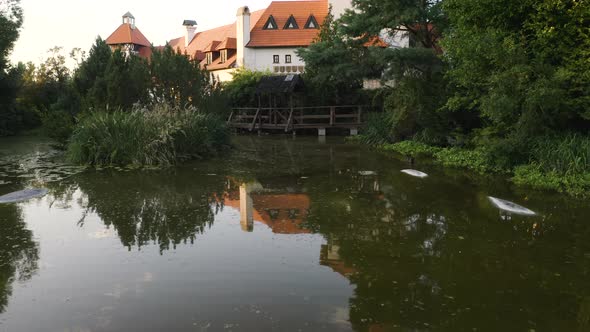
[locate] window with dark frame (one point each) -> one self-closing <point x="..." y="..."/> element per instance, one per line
<point x="291" y="23"/>
<point x="288" y="58"/>
<point x="311" y="23"/>
<point x="270" y="24"/>
<point x="275" y="59"/>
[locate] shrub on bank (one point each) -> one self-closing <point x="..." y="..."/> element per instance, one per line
<point x="160" y="135"/>
<point x="560" y="163"/>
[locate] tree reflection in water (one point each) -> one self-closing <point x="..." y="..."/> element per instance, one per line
<point x="153" y="207"/>
<point x="420" y="262"/>
<point x="19" y="253"/>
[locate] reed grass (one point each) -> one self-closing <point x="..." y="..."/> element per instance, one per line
<point x="160" y="135"/>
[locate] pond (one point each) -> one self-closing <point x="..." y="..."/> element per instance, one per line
<point x="284" y="234"/>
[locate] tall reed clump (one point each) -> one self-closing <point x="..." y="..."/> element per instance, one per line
<point x="561" y="163"/>
<point x="159" y="135"/>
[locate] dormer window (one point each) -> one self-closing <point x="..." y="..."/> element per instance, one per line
<point x="312" y="23"/>
<point x="270" y="24"/>
<point x="223" y="56"/>
<point x="291" y="23"/>
<point x="209" y="58"/>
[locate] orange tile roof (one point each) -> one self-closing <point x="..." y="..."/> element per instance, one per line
<point x="212" y="46"/>
<point x="125" y="34"/>
<point x="228" y="43"/>
<point x="281" y="11"/>
<point x="217" y="64"/>
<point x="204" y="38"/>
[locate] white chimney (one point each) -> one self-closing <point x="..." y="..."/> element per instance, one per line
<point x="189" y="33"/>
<point x="242" y="34"/>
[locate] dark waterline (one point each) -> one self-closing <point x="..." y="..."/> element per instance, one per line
<point x="284" y="235"/>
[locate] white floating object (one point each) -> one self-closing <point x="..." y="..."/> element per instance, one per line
<point x="511" y="207"/>
<point x="415" y="173"/>
<point x="23" y="195"/>
<point x="367" y="173"/>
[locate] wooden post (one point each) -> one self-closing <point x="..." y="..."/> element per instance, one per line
<point x="359" y="111"/>
<point x="332" y="115"/>
<point x="230" y="116"/>
<point x="254" y="120"/>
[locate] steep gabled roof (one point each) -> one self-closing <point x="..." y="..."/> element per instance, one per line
<point x="281" y="11"/>
<point x="212" y="46"/>
<point x="126" y="34"/>
<point x="203" y="39"/>
<point x="228" y="43"/>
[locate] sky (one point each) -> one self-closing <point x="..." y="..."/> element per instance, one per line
<point x="77" y="23"/>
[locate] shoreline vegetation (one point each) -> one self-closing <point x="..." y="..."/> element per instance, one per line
<point x="559" y="164"/>
<point x="159" y="135"/>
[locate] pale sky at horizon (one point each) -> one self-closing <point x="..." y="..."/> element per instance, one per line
<point x="77" y="23"/>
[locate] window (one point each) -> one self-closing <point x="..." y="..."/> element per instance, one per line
<point x="288" y="58"/>
<point x="223" y="56"/>
<point x="275" y="59"/>
<point x="312" y="23"/>
<point x="291" y="23"/>
<point x="270" y="24"/>
<point x="209" y="57"/>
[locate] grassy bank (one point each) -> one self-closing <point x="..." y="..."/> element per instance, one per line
<point x="160" y="135"/>
<point x="557" y="163"/>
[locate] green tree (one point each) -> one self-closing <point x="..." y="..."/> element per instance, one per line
<point x="520" y="65"/>
<point x="11" y="19"/>
<point x="127" y="80"/>
<point x="334" y="65"/>
<point x="89" y="78"/>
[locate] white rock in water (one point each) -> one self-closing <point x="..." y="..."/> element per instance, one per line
<point x="367" y="173"/>
<point x="415" y="173"/>
<point x="23" y="195"/>
<point x="510" y="207"/>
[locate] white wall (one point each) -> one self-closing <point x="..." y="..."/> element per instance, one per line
<point x="261" y="59"/>
<point x="223" y="75"/>
<point x="399" y="38"/>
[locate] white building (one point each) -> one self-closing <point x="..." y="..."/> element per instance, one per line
<point x="262" y="40"/>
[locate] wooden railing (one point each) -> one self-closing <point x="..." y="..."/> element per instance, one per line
<point x="289" y="119"/>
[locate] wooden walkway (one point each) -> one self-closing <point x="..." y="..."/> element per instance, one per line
<point x="291" y="119"/>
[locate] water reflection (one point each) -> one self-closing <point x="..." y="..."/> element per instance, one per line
<point x="283" y="213"/>
<point x="19" y="253"/>
<point x="415" y="255"/>
<point x="151" y="207"/>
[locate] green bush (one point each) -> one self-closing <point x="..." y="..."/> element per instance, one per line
<point x="161" y="135"/>
<point x="477" y="160"/>
<point x="411" y="149"/>
<point x="534" y="175"/>
<point x="377" y="131"/>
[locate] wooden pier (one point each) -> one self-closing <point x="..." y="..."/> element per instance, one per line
<point x="291" y="119"/>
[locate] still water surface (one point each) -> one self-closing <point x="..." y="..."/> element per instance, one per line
<point x="284" y="235"/>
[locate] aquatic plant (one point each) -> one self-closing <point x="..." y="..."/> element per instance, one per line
<point x="158" y="135"/>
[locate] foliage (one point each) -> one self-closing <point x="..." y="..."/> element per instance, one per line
<point x="517" y="64"/>
<point x="377" y="130"/>
<point x="241" y="91"/>
<point x="411" y="149"/>
<point x="534" y="175"/>
<point x="160" y="135"/>
<point x="333" y="70"/>
<point x="11" y="19"/>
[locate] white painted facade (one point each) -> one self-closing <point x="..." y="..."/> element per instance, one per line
<point x="262" y="59"/>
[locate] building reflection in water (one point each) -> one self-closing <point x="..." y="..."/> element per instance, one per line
<point x="283" y="213"/>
